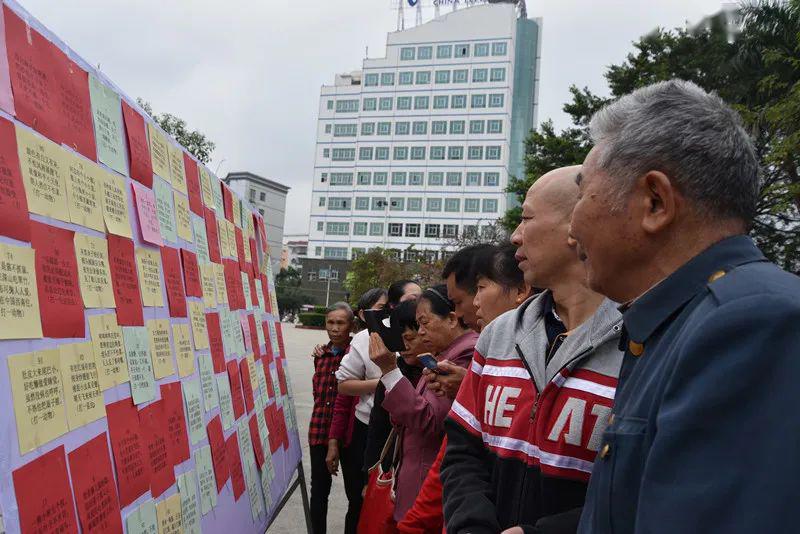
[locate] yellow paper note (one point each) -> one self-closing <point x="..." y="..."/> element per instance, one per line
<point x="168" y="512"/>
<point x="222" y="232"/>
<point x="205" y="187"/>
<point x="84" y="191"/>
<point x="93" y="271"/>
<point x="219" y="282"/>
<point x="207" y="275"/>
<point x="114" y="203"/>
<point x="177" y="173"/>
<point x="38" y="398"/>
<point x="231" y="228"/>
<point x="82" y="396"/>
<point x="148" y="263"/>
<point x="247" y="256"/>
<point x="109" y="350"/>
<point x="159" y="151"/>
<point x="237" y="211"/>
<point x="251" y="228"/>
<point x="182" y="217"/>
<point x="183" y="349"/>
<point x="160" y="348"/>
<point x="197" y="316"/>
<point x="19" y="298"/>
<point x="43" y="174"/>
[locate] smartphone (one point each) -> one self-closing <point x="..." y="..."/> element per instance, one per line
<point x="380" y="322"/>
<point x="430" y="362"/>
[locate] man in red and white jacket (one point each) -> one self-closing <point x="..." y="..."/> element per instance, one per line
<point x="528" y="420"/>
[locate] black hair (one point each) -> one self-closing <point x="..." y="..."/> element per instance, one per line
<point x="405" y="315"/>
<point x="500" y="266"/>
<point x="441" y="304"/>
<point x="396" y="292"/>
<point x="462" y="264"/>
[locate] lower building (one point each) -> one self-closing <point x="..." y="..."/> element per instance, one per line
<point x="323" y="280"/>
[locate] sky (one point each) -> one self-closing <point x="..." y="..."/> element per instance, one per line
<point x="247" y="73"/>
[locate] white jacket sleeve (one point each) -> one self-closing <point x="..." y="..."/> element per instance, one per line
<point x="352" y="366"/>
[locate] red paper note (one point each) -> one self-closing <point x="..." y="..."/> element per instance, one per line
<point x="269" y="354"/>
<point x="227" y="201"/>
<point x="215" y="342"/>
<point x="252" y="285"/>
<point x="130" y="450"/>
<point x="255" y="437"/>
<point x="268" y="377"/>
<point x="153" y="421"/>
<point x="74" y="106"/>
<point x="279" y="330"/>
<point x="262" y="232"/>
<point x="176" y="421"/>
<point x="240" y="248"/>
<point x="212" y="235"/>
<point x="281" y="375"/>
<point x="218" y="452"/>
<point x="60" y="298"/>
<point x="248" y="341"/>
<point x="43" y="495"/>
<point x="146" y="209"/>
<point x="275" y="439"/>
<point x="235" y="462"/>
<point x="193" y="185"/>
<point x="251" y="321"/>
<point x="247" y="385"/>
<point x="141" y="165"/>
<point x="173" y="279"/>
<point x="236" y="388"/>
<point x="233" y="284"/>
<point x="125" y="281"/>
<point x="32" y="69"/>
<point x="265" y="290"/>
<point x="14" y="220"/>
<point x="6" y="97"/>
<point x="191" y="274"/>
<point x="254" y="258"/>
<point x="93" y="485"/>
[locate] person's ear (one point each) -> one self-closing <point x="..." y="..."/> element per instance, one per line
<point x="656" y="200"/>
<point x="523" y="291"/>
<point x="452" y="319"/>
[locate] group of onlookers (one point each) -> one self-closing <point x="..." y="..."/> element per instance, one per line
<point x="627" y="363"/>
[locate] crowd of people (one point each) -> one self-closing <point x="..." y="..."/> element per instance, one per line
<point x="626" y="363"/>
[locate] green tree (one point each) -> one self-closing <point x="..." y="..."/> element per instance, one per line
<point x="193" y="140"/>
<point x="758" y="74"/>
<point x="287" y="292"/>
<point x="377" y="268"/>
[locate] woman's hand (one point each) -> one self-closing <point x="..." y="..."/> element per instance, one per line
<point x="380" y="355"/>
<point x="332" y="458"/>
<point x="445" y="384"/>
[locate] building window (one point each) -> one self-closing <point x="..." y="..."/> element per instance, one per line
<point x="397" y="204"/>
<point x="357" y="252"/>
<point x="417" y="152"/>
<point x="324" y="177"/>
<point x="371" y="80"/>
<point x="495" y="126"/>
<point x="455" y="152"/>
<point x="364" y="178"/>
<point x="336" y="253"/>
<point x="395" y="229"/>
<point x="326" y="152"/>
<point x="402" y="128"/>
<point x="252" y="195"/>
<point x="499" y="49"/>
<point x="458" y="102"/>
<point x="431" y="230"/>
<point x="420" y="127"/>
<point x="491" y="179"/>
<point x="339" y="203"/>
<point x="330" y="104"/>
<point x="407" y="53"/>
<point x="438" y="127"/>
<point x="312" y="276"/>
<point x="476" y="127"/>
<point x="456" y="127"/>
<point x="379" y="178"/>
<point x="462" y="50"/>
<point x="367" y="128"/>
<point x="384" y="128"/>
<point x="378" y="203"/>
<point x="327" y="128"/>
<point x="343" y="154"/>
<point x="261" y="211"/>
<point x="385" y="103"/>
<point x="433" y="204"/>
<point x="440" y="101"/>
<point x="400" y="153"/>
<point x="442" y="76"/>
<point x="414" y="204"/>
<point x="423" y="77"/>
<point x="321" y="202"/>
<point x="437" y="152"/>
<point x="421" y="102"/>
<point x="472" y="205"/>
<point x="318" y="251"/>
<point x="490" y="205"/>
<point x="492" y="152"/>
<point x="342" y="178"/>
<point x="406" y="78"/>
<point x="435" y="178"/>
<point x="425" y="52"/>
<point x="481" y="49"/>
<point x="444" y="51"/>
<point x="475" y="152"/>
<point x="473" y="179"/>
<point x="262" y="197"/>
<point x="412" y="230"/>
<point x="452" y="204"/>
<point x="415" y="178"/>
<point x="345" y="130"/>
<point x="365" y="152"/>
<point x="479" y="75"/>
<point x="381" y="154"/>
<point x="376" y="228"/>
<point x="398" y="178"/>
<point x="454" y="179"/>
<point x="496" y="100"/>
<point x="460" y="75"/>
<point x="337" y="228"/>
<point x="359" y="228"/>
<point x="450" y="231"/>
<point x="320" y="226"/>
<point x="498" y="74"/>
<point x="478" y="101"/>
<point x="403" y="102"/>
<point x="346" y="106"/>
<point x="362" y="203"/>
<point x="387" y="78"/>
<point x="334" y="274"/>
<point x="370" y="104"/>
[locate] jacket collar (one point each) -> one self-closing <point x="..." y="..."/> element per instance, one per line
<point x="643" y="317"/>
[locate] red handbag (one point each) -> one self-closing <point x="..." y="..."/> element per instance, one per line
<point x="377" y="509"/>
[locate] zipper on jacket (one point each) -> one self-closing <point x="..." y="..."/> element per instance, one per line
<point x="530" y="373"/>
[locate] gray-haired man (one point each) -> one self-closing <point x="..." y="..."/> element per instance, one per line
<point x="702" y="437"/>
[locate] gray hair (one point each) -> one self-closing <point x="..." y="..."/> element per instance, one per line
<point x="692" y="136"/>
<point x="341" y="306"/>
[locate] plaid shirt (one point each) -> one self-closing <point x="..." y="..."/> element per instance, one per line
<point x="324" y="386"/>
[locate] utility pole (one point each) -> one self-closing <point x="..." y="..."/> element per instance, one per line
<point x="328" y="290"/>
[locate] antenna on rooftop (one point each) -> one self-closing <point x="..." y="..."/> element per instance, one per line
<point x="401" y="21"/>
<point x="418" y="21"/>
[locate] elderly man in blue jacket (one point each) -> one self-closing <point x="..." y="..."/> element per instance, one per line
<point x="704" y="435"/>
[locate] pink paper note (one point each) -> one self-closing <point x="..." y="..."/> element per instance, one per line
<point x="148" y="214"/>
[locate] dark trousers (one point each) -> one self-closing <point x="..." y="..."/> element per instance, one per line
<point x="320" y="488"/>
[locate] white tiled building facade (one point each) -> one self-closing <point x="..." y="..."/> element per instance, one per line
<point x="416" y="148"/>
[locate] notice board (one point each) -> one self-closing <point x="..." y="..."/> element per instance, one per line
<point x="143" y="376"/>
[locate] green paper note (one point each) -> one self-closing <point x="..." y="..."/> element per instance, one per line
<point x="194" y="414"/>
<point x="143" y="519"/>
<point x="225" y="400"/>
<point x="216" y="192"/>
<point x="107" y="115"/>
<point x="259" y="329"/>
<point x="187" y="487"/>
<point x="209" y="385"/>
<point x="201" y="238"/>
<point x="205" y="475"/>
<point x="140" y="366"/>
<point x="262" y="382"/>
<point x="166" y="210"/>
<point x="251" y="479"/>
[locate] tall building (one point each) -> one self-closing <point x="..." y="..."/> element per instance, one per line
<point x="269" y="198"/>
<point x="416" y="148"/>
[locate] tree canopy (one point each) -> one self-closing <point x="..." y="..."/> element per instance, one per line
<point x="194" y="141"/>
